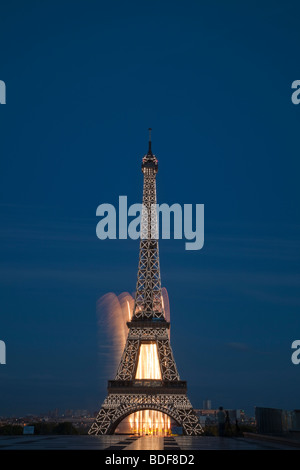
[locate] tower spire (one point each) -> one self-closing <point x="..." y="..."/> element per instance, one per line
<point x="149" y="149"/>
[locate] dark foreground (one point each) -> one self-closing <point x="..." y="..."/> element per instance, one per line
<point x="133" y="443"/>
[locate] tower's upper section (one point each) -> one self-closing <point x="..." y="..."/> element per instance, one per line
<point x="150" y="160"/>
<point x="148" y="297"/>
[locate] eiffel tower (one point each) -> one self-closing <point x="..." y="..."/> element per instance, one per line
<point x="135" y="388"/>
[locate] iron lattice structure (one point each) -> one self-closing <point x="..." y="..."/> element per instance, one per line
<point x="126" y="394"/>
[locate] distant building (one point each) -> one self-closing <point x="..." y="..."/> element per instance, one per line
<point x="207" y="404"/>
<point x="53" y="413"/>
<point x="80" y="413"/>
<point x="209" y="416"/>
<point x="276" y="421"/>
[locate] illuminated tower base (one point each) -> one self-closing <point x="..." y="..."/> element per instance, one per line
<point x="147" y="376"/>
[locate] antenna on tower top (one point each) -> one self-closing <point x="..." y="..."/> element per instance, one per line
<point x="149" y="151"/>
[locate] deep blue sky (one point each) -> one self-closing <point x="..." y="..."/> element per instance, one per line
<point x="85" y="80"/>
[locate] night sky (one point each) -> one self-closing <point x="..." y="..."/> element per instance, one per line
<point x="85" y="80"/>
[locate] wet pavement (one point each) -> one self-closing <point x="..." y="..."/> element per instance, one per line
<point x="134" y="443"/>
